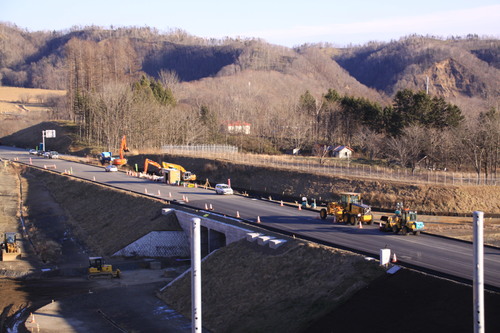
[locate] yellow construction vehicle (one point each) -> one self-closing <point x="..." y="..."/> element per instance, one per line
<point x="186" y="176"/>
<point x="403" y="221"/>
<point x="97" y="269"/>
<point x="349" y="209"/>
<point x="10" y="249"/>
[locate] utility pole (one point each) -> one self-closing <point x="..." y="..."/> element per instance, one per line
<point x="196" y="275"/>
<point x="478" y="287"/>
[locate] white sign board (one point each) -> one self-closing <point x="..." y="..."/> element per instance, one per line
<point x="50" y="133"/>
<point x="385" y="256"/>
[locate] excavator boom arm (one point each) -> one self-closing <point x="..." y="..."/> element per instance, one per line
<point x="123" y="146"/>
<point x="147" y="162"/>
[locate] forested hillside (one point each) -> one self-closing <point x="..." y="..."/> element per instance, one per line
<point x="174" y="88"/>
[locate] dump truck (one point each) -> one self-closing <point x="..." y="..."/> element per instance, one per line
<point x="349" y="209"/>
<point x="99" y="269"/>
<point x="404" y="221"/>
<point x="10" y="248"/>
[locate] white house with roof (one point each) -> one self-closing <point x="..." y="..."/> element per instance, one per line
<point x="342" y="152"/>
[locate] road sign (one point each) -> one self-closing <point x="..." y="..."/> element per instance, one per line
<point x="50" y="133"/>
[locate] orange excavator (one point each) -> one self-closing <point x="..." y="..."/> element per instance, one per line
<point x="123" y="148"/>
<point x="147" y="162"/>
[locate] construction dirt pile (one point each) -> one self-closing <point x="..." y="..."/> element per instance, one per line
<point x="248" y="287"/>
<point x="310" y="288"/>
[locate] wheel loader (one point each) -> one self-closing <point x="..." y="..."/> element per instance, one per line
<point x="349" y="209"/>
<point x="98" y="269"/>
<point x="404" y="221"/>
<point x="10" y="248"/>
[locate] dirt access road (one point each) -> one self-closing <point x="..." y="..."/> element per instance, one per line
<point x="48" y="288"/>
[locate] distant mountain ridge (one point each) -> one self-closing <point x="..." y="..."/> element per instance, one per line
<point x="463" y="70"/>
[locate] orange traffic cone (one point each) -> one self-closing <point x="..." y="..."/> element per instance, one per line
<point x="32" y="318"/>
<point x="300" y="207"/>
<point x="281" y="204"/>
<point x="206" y="207"/>
<point x="187" y="200"/>
<point x="146" y="190"/>
<point x="258" y="219"/>
<point x="159" y="193"/>
<point x="360" y="226"/>
<point x="169" y="194"/>
<point x="211" y="208"/>
<point x="237" y="214"/>
<point x="394" y="258"/>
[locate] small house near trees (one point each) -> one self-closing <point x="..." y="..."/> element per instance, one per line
<point x="342" y="152"/>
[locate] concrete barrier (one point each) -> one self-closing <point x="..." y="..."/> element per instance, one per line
<point x="275" y="243"/>
<point x="252" y="236"/>
<point x="263" y="240"/>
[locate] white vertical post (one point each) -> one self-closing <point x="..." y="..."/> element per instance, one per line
<point x="43" y="141"/>
<point x="478" y="287"/>
<point x="196" y="275"/>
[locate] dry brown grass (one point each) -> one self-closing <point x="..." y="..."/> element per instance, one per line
<point x="23" y="107"/>
<point x="249" y="288"/>
<point x="27" y="95"/>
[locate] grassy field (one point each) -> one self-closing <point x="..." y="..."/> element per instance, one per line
<point x="24" y="107"/>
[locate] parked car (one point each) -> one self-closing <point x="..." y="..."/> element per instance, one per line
<point x="33" y="151"/>
<point x="51" y="154"/>
<point x="223" y="189"/>
<point x="40" y="152"/>
<point x="111" y="168"/>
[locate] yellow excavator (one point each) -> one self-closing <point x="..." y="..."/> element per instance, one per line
<point x="186" y="176"/>
<point x="98" y="269"/>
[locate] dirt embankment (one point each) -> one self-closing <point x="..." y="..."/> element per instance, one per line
<point x="250" y="288"/>
<point x="432" y="199"/>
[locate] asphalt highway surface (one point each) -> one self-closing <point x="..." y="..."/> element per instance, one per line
<point x="444" y="256"/>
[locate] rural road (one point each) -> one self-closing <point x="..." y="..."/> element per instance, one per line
<point x="448" y="257"/>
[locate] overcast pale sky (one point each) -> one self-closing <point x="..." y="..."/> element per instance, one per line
<point x="283" y="22"/>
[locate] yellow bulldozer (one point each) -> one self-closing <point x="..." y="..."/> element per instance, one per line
<point x="98" y="269"/>
<point x="349" y="209"/>
<point x="10" y="248"/>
